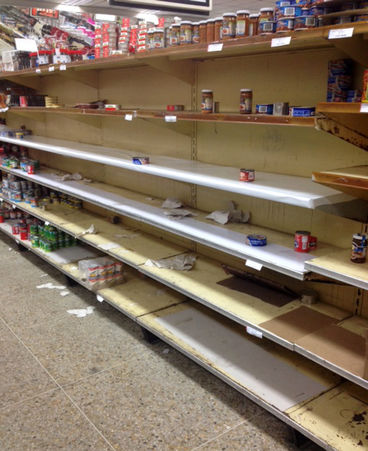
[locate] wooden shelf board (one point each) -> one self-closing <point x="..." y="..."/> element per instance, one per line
<point x="338" y="266"/>
<point x="353" y="181"/>
<point x="346" y="13"/>
<point x="196" y="116"/>
<point x="340" y="108"/>
<point x="301" y="40"/>
<point x="228" y="239"/>
<point x="291" y="190"/>
<point x="199" y="284"/>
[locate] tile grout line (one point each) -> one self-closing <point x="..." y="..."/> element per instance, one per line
<point x="15" y="404"/>
<point x="227" y="431"/>
<point x="61" y="388"/>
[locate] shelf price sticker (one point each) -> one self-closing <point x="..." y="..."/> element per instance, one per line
<point x="38" y="71"/>
<point x="364" y="108"/>
<point x="341" y="33"/>
<point x="100" y="298"/>
<point x="128" y="117"/>
<point x="215" y="47"/>
<point x="255" y="265"/>
<point x="254" y="332"/>
<point x="62" y="67"/>
<point x="47" y="223"/>
<point x="171" y="119"/>
<point x="279" y="42"/>
<point x="51" y="69"/>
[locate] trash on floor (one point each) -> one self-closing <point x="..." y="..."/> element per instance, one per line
<point x="81" y="312"/>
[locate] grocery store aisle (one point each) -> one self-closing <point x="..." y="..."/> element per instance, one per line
<point x="94" y="383"/>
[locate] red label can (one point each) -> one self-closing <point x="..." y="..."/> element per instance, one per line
<point x="23" y="232"/>
<point x="301" y="242"/>
<point x="30" y="169"/>
<point x="247" y="175"/>
<point x="15" y="229"/>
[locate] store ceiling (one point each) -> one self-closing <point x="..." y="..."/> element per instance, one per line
<point x="101" y="6"/>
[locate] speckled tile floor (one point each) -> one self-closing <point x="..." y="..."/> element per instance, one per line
<point x="93" y="383"/>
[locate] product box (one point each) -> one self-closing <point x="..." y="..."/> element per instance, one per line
<point x="365" y="87"/>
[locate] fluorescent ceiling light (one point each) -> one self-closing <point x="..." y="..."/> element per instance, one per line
<point x="69" y="8"/>
<point x="148" y="17"/>
<point x="105" y="17"/>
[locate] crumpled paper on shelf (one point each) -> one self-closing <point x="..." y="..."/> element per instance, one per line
<point x="76" y="177"/>
<point x="51" y="286"/>
<point x="172" y="203"/>
<point x="179" y="213"/>
<point x="81" y="312"/>
<point x="231" y="215"/>
<point x="184" y="262"/>
<point x="90" y="231"/>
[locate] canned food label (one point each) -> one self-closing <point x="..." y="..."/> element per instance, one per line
<point x="240" y="28"/>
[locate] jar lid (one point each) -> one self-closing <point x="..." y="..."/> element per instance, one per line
<point x="229" y="15"/>
<point x="175" y="25"/>
<point x="218" y="18"/>
<point x="207" y="90"/>
<point x="254" y="16"/>
<point x="195" y="24"/>
<point x="267" y="10"/>
<point x="245" y="90"/>
<point x="159" y="30"/>
<point x="210" y="20"/>
<point x="186" y="22"/>
<point x="202" y="22"/>
<point x="243" y="11"/>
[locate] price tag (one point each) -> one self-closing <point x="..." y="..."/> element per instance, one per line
<point x="62" y="67"/>
<point x="51" y="69"/>
<point x="215" y="47"/>
<point x="254" y="265"/>
<point x="47" y="223"/>
<point x="128" y="117"/>
<point x="100" y="298"/>
<point x="38" y="71"/>
<point x="14" y="207"/>
<point x="364" y="108"/>
<point x="57" y="52"/>
<point x="341" y="33"/>
<point x="254" y="332"/>
<point x="279" y="42"/>
<point x="171" y="118"/>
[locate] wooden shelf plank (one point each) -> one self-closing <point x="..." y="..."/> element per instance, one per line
<point x="228" y="239"/>
<point x="353" y="181"/>
<point x="301" y="40"/>
<point x="288" y="189"/>
<point x="340" y="108"/>
<point x="338" y="266"/>
<point x="196" y="116"/>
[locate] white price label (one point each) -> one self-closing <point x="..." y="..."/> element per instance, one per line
<point x="364" y="108"/>
<point x="279" y="42"/>
<point x="62" y="67"/>
<point x="38" y="71"/>
<point x="57" y="52"/>
<point x="171" y="118"/>
<point x="128" y="117"/>
<point x="254" y="332"/>
<point x="100" y="298"/>
<point x="215" y="47"/>
<point x="254" y="265"/>
<point x="341" y="33"/>
<point x="47" y="223"/>
<point x="51" y="69"/>
<point x="14" y="207"/>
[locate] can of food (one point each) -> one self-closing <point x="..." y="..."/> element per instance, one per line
<point x="285" y="24"/>
<point x="302" y="111"/>
<point x="15" y="229"/>
<point x="247" y="175"/>
<point x="140" y="160"/>
<point x="246" y="100"/>
<point x="264" y="108"/>
<point x="207" y="101"/>
<point x="305" y="22"/>
<point x="23" y="232"/>
<point x="301" y="241"/>
<point x="2" y="217"/>
<point x="256" y="240"/>
<point x="280" y="109"/>
<point x="359" y="248"/>
<point x="35" y="241"/>
<point x="112" y="107"/>
<point x="30" y="168"/>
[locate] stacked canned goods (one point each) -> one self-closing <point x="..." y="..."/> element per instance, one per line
<point x="340" y="82"/>
<point x="49" y="238"/>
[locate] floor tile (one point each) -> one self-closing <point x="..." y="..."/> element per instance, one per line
<point x="72" y="348"/>
<point x="160" y="401"/>
<point x="48" y="422"/>
<point x="21" y="376"/>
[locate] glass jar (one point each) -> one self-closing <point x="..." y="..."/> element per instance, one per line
<point x="228" y="26"/>
<point x="186" y="28"/>
<point x="150" y="44"/>
<point x="242" y="23"/>
<point x="218" y="28"/>
<point x="203" y="31"/>
<point x="175" y="35"/>
<point x="246" y="100"/>
<point x="207" y="101"/>
<point x="210" y="30"/>
<point x="266" y="15"/>
<point x="195" y="33"/>
<point x="158" y="38"/>
<point x="253" y="24"/>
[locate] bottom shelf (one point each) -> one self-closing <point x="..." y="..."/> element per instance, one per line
<point x="307" y="397"/>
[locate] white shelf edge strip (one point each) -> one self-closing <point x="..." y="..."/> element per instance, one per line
<point x="287" y="189"/>
<point x="279" y="258"/>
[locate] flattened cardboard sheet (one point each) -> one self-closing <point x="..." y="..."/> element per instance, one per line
<point x="299" y="322"/>
<point x="339" y="346"/>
